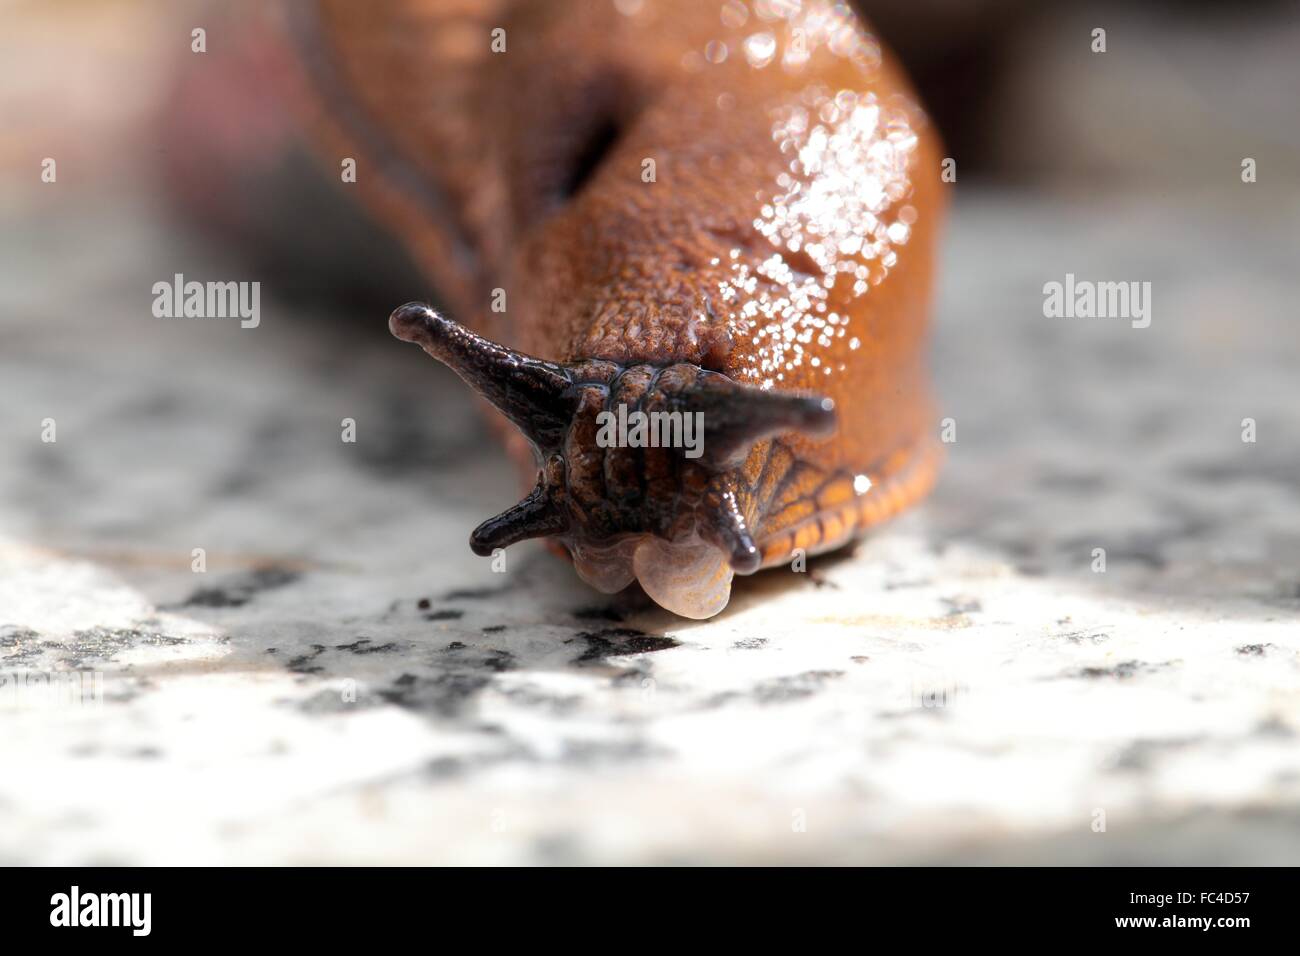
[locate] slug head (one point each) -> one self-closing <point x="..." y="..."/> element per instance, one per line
<point x="636" y="462"/>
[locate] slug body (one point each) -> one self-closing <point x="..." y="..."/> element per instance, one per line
<point x="723" y="209"/>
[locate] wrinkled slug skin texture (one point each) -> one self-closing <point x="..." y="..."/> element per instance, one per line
<point x="787" y="239"/>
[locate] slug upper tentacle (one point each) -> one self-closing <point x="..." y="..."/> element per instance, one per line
<point x="537" y="396"/>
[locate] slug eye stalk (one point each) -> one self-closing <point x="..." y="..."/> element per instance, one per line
<point x="537" y="396"/>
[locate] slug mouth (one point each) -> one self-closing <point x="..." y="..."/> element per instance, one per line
<point x="690" y="577"/>
<point x="637" y="464"/>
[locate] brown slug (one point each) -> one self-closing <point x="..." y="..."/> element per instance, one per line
<point x="721" y="209"/>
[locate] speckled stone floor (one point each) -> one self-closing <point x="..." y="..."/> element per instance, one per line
<point x="347" y="683"/>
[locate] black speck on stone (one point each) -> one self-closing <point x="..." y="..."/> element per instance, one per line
<point x="447" y="614"/>
<point x="1252" y="650"/>
<point x="302" y="664"/>
<point x="445" y="694"/>
<point x="494" y="629"/>
<point x="794" y="687"/>
<point x="472" y="594"/>
<point x="423" y="604"/>
<point x="604" y="613"/>
<point x="1095" y="636"/>
<point x="240" y="589"/>
<point x="363" y="645"/>
<point x="456" y="646"/>
<point x="1121" y="671"/>
<point x="617" y="641"/>
<point x="215" y="597"/>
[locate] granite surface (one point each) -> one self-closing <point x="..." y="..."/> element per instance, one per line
<point x="346" y="682"/>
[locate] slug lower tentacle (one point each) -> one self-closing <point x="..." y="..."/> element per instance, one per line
<point x="722" y="208"/>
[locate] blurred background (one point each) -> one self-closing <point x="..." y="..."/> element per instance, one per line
<point x="347" y="684"/>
